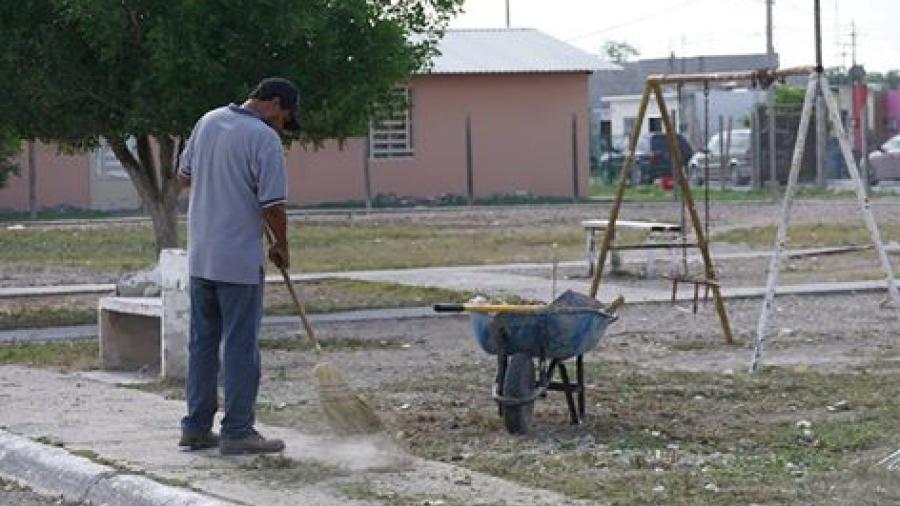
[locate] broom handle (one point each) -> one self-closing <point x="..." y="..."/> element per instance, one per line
<point x="297" y="304"/>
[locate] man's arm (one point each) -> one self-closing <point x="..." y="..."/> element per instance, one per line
<point x="275" y="218"/>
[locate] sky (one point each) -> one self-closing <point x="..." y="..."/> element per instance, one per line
<point x="658" y="28"/>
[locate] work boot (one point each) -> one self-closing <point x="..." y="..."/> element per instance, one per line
<point x="198" y="440"/>
<point x="252" y="442"/>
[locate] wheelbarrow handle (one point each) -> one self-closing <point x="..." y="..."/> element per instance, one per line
<point x="488" y="308"/>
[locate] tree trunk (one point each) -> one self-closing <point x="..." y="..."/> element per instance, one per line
<point x="165" y="223"/>
<point x="157" y="189"/>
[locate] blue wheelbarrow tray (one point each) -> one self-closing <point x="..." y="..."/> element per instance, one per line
<point x="572" y="325"/>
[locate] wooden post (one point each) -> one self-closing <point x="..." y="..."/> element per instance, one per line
<point x="784" y="218"/>
<point x="735" y="177"/>
<point x="367" y="171"/>
<point x="470" y="174"/>
<point x="677" y="168"/>
<point x="722" y="162"/>
<point x="575" y="186"/>
<point x="756" y="182"/>
<point x="620" y="192"/>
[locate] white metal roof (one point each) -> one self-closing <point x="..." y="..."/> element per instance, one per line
<point x="510" y="50"/>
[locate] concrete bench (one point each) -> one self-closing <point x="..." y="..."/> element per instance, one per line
<point x="149" y="333"/>
<point x="659" y="235"/>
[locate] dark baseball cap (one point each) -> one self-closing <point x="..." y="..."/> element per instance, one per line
<point x="288" y="94"/>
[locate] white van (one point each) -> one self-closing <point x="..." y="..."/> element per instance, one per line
<point x="739" y="168"/>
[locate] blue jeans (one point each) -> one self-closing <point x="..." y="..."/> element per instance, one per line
<point x="228" y="314"/>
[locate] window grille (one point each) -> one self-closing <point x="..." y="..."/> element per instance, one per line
<point x="391" y="135"/>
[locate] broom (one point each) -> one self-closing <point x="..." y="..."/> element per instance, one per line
<point x="346" y="412"/>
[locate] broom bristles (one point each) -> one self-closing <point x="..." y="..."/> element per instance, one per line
<point x="346" y="412"/>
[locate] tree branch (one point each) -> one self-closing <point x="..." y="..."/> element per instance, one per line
<point x="148" y="163"/>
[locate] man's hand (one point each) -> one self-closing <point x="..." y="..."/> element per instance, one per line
<point x="280" y="256"/>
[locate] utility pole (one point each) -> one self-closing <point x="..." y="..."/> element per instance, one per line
<point x="860" y="111"/>
<point x="820" y="103"/>
<point x="770" y="97"/>
<point x="507" y="13"/>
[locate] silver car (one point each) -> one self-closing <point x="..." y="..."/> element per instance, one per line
<point x="739" y="168"/>
<point x="884" y="163"/>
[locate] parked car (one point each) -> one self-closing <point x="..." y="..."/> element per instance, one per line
<point x="738" y="170"/>
<point x="653" y="159"/>
<point x="884" y="163"/>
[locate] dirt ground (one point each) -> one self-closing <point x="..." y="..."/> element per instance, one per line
<point x="670" y="405"/>
<point x="673" y="416"/>
<point x="834" y="333"/>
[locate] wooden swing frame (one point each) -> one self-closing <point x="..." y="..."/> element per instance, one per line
<point x="765" y="78"/>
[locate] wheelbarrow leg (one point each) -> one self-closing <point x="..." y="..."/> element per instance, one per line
<point x="498" y="381"/>
<point x="579" y="375"/>
<point x="568" y="387"/>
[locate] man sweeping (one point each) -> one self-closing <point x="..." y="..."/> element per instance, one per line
<point x="234" y="164"/>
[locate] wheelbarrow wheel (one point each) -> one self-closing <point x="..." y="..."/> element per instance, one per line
<point x="519" y="383"/>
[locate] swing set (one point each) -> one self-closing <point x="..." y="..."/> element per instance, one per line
<point x="654" y="84"/>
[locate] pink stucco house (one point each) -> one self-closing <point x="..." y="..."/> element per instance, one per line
<point x="500" y="112"/>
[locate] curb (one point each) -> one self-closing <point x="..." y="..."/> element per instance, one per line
<point x="55" y="471"/>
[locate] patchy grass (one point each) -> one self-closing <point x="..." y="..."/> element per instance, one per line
<point x="36" y="317"/>
<point x="124" y="248"/>
<point x="315" y="246"/>
<point x="653" y="193"/>
<point x="284" y="470"/>
<point x="812" y="235"/>
<point x="343" y="294"/>
<point x="674" y="438"/>
<point x="70" y="355"/>
<point x="59" y="214"/>
<point x="332" y="344"/>
<point x="319" y="297"/>
<point x="368" y="491"/>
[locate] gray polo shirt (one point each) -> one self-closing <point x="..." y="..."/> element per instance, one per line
<point x="237" y="169"/>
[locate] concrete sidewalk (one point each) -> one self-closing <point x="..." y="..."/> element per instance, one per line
<point x="117" y="446"/>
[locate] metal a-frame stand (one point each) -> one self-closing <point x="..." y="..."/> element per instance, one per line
<point x="654" y="86"/>
<point x="816" y="79"/>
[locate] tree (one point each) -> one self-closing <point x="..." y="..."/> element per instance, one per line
<point x="889" y="79"/>
<point x="73" y="71"/>
<point x="619" y="52"/>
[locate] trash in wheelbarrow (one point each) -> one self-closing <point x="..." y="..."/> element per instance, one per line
<point x="571" y="325"/>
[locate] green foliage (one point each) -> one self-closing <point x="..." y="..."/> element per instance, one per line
<point x="889" y="79"/>
<point x="619" y="51"/>
<point x="789" y="96"/>
<point x="75" y="69"/>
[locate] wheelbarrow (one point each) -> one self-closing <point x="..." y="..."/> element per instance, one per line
<point x="532" y="343"/>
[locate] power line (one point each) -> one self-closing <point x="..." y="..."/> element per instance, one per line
<point x="633" y="21"/>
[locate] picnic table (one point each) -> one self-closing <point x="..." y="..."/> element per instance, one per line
<point x="659" y="235"/>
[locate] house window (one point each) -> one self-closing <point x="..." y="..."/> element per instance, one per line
<point x="655" y="125"/>
<point x="105" y="163"/>
<point x="391" y="134"/>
